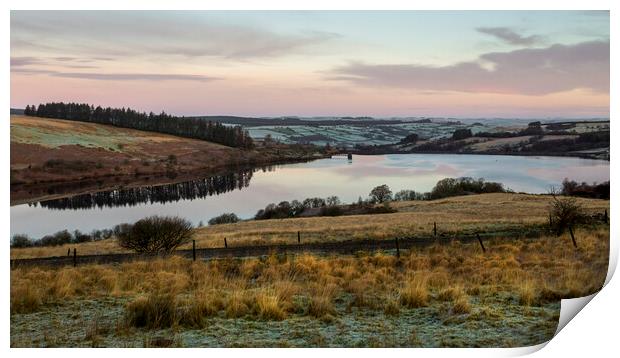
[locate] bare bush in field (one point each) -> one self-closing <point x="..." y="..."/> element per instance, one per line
<point x="565" y="212"/>
<point x="154" y="234"/>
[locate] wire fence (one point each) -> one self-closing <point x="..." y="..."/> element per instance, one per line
<point x="297" y="245"/>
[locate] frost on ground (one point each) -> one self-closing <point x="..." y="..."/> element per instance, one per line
<point x="350" y="135"/>
<point x="496" y="322"/>
<point x="443" y="295"/>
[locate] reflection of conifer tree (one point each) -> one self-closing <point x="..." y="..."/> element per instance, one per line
<point x="201" y="188"/>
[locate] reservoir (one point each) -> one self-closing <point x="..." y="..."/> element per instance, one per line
<point x="244" y="193"/>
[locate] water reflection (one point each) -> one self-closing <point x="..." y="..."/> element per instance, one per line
<point x="195" y="189"/>
<point x="200" y="200"/>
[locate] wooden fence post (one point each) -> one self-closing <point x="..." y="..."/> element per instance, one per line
<point x="194" y="249"/>
<point x="481" y="244"/>
<point x="69" y="252"/>
<point x="298" y="237"/>
<point x="74" y="257"/>
<point x="397" y="249"/>
<point x="606" y="217"/>
<point x="572" y="236"/>
<point x="225" y="243"/>
<point x="434" y="228"/>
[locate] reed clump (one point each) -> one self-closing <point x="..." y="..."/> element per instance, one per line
<point x="154" y="311"/>
<point x="414" y="293"/>
<point x="268" y="306"/>
<point x="527" y="293"/>
<point x="461" y="305"/>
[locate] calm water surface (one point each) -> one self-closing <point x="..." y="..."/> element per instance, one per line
<point x="245" y="192"/>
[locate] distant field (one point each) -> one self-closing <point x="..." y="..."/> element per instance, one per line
<point x="498" y="143"/>
<point x="54" y="133"/>
<point x="466" y="214"/>
<point x="584" y="127"/>
<point x="350" y="135"/>
<point x="379" y="133"/>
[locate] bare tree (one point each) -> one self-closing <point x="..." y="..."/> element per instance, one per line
<point x="333" y="200"/>
<point x="564" y="212"/>
<point x="154" y="234"/>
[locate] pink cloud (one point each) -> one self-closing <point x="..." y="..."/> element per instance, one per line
<point x="541" y="71"/>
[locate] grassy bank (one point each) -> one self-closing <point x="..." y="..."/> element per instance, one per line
<point x="450" y="295"/>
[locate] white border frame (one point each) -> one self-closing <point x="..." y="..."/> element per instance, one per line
<point x="592" y="332"/>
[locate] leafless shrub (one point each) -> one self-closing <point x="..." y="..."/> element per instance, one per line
<point x="564" y="212"/>
<point x="154" y="234"/>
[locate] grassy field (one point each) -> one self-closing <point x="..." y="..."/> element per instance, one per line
<point x="466" y="214"/>
<point x="54" y="133"/>
<point x="439" y="296"/>
<point x="70" y="140"/>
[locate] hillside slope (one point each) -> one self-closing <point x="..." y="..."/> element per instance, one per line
<point x="47" y="150"/>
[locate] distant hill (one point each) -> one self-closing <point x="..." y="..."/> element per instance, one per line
<point x="17" y="111"/>
<point x="290" y="121"/>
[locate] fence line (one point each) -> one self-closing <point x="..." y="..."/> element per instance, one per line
<point x="339" y="247"/>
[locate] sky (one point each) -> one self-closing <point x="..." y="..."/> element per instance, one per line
<point x="475" y="64"/>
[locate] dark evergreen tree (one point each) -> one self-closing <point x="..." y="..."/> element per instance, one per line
<point x="162" y="123"/>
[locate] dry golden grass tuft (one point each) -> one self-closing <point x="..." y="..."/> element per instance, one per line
<point x="25" y="297"/>
<point x="414" y="294"/>
<point x="157" y="310"/>
<point x="268" y="306"/>
<point x="527" y="293"/>
<point x="451" y="293"/>
<point x="321" y="301"/>
<point x="461" y="305"/>
<point x="392" y="306"/>
<point x="236" y="305"/>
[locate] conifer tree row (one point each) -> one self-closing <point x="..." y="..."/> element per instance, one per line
<point x="233" y="136"/>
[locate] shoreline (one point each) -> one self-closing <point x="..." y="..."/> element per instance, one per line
<point x="28" y="193"/>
